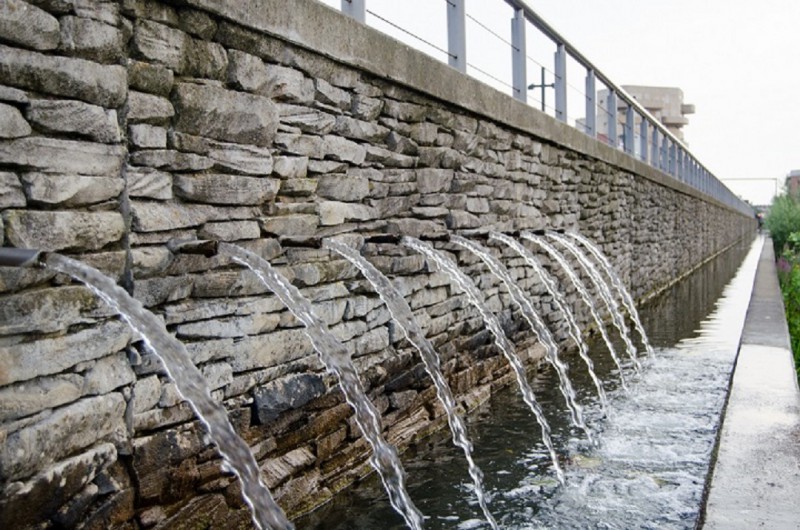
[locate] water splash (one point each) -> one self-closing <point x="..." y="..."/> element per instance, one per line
<point x="605" y="294"/>
<point x="537" y="325"/>
<point x="337" y="361"/>
<point x="584" y="293"/>
<point x="190" y="384"/>
<point x="561" y="304"/>
<point x="402" y="314"/>
<point x="616" y="281"/>
<point x="476" y="298"/>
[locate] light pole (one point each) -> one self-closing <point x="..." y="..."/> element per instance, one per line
<point x="542" y="85"/>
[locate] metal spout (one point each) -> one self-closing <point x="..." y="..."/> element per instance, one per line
<point x="18" y="257"/>
<point x="203" y="247"/>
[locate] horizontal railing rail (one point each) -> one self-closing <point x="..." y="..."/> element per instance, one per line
<point x="643" y="136"/>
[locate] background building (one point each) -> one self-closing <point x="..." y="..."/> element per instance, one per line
<point x="665" y="103"/>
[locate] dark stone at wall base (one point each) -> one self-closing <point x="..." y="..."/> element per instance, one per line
<point x="289" y="393"/>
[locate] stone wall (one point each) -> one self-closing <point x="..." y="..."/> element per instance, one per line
<point x="127" y="126"/>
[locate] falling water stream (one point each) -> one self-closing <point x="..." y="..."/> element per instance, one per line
<point x="338" y="362"/>
<point x="651" y="463"/>
<point x="538" y="327"/>
<point x="585" y="295"/>
<point x="601" y="287"/>
<point x="561" y="304"/>
<point x="616" y="281"/>
<point x="190" y="383"/>
<point x="476" y="298"/>
<point x="404" y="317"/>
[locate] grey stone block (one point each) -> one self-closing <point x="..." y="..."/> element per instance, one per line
<point x="288" y="393"/>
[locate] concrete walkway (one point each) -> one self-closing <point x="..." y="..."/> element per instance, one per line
<point x="756" y="479"/>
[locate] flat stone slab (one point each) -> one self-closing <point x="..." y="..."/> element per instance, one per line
<point x="756" y="480"/>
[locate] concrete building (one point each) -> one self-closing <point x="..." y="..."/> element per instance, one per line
<point x="665" y="103"/>
<point x="793" y="182"/>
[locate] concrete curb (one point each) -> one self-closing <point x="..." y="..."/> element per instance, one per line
<point x="756" y="477"/>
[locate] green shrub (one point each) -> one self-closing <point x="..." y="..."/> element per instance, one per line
<point x="782" y="219"/>
<point x="789" y="276"/>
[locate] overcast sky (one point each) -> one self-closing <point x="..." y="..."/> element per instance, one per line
<point x="737" y="61"/>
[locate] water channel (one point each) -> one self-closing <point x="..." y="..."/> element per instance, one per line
<point x="654" y="445"/>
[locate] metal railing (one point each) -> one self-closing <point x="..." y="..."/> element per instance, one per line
<point x="643" y="136"/>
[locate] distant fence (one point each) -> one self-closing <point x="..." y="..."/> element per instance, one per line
<point x="642" y="135"/>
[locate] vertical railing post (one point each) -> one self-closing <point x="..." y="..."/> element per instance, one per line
<point x="591" y="104"/>
<point x="665" y="154"/>
<point x="561" y="82"/>
<point x="644" y="134"/>
<point x="611" y="103"/>
<point x="519" y="77"/>
<point x="655" y="158"/>
<point x="679" y="164"/>
<point x="628" y="138"/>
<point x="457" y="34"/>
<point x="355" y="9"/>
<point x="673" y="151"/>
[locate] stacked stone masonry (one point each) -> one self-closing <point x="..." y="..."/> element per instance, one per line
<point x="126" y="126"/>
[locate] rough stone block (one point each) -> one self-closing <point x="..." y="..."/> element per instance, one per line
<point x="303" y="145"/>
<point x="230" y="230"/>
<point x="225" y="115"/>
<point x="69" y="116"/>
<point x="336" y="213"/>
<point x="25" y="24"/>
<point x="291" y="167"/>
<point x="217" y="375"/>
<point x="225" y="189"/>
<point x="281" y="347"/>
<point x="348" y="188"/>
<point x="338" y="148"/>
<point x="12" y="124"/>
<point x="53" y="310"/>
<point x="151" y="78"/>
<point x="154" y="217"/>
<point x="146" y="393"/>
<point x="308" y="120"/>
<point x="91" y="39"/>
<point x="291" y="225"/>
<point x="366" y="108"/>
<point x="107" y="374"/>
<point x="62" y="156"/>
<point x="170" y="160"/>
<point x="66" y="431"/>
<point x="63" y="230"/>
<point x="230" y="327"/>
<point x="434" y="180"/>
<point x="33" y="502"/>
<point x="287" y="84"/>
<point x="104" y="85"/>
<point x="149" y="183"/>
<point x="29" y="397"/>
<point x="143" y="107"/>
<point x="360" y="130"/>
<point x="227" y="156"/>
<point x="156" y="291"/>
<point x="246" y="72"/>
<point x="146" y="136"/>
<point x="11" y="194"/>
<point x="70" y="190"/>
<point x="290" y="392"/>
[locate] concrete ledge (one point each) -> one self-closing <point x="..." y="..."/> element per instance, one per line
<point x="352" y="43"/>
<point x="756" y="478"/>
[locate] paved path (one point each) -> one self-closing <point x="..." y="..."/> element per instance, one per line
<point x="756" y="480"/>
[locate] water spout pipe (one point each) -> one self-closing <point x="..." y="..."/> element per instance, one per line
<point x="18" y="257"/>
<point x="204" y="247"/>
